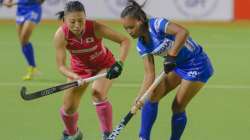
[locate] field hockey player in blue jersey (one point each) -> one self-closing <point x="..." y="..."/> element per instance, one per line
<point x="28" y="15"/>
<point x="185" y="63"/>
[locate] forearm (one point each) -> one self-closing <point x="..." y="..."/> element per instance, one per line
<point x="124" y="49"/>
<point x="179" y="42"/>
<point x="147" y="82"/>
<point x="67" y="72"/>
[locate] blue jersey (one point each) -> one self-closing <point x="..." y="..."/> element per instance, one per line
<point x="192" y="62"/>
<point x="160" y="42"/>
<point x="28" y="10"/>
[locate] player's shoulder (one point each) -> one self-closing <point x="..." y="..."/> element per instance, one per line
<point x="156" y="21"/>
<point x="60" y="33"/>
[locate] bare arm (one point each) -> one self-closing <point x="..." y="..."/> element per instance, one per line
<point x="149" y="74"/>
<point x="181" y="35"/>
<point x="103" y="31"/>
<point x="60" y="45"/>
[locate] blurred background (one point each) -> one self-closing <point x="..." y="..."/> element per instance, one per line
<point x="185" y="10"/>
<point x="221" y="111"/>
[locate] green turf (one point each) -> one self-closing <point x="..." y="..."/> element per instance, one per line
<point x="219" y="112"/>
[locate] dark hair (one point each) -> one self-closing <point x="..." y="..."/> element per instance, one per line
<point x="134" y="10"/>
<point x="71" y="6"/>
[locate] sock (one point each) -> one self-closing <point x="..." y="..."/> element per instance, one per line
<point x="104" y="113"/>
<point x="29" y="54"/>
<point x="148" y="117"/>
<point x="179" y="121"/>
<point x="70" y="122"/>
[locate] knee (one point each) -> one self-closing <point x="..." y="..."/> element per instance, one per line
<point x="70" y="109"/>
<point x="178" y="106"/>
<point x="24" y="40"/>
<point x="98" y="96"/>
<point x="153" y="99"/>
<point x="70" y="105"/>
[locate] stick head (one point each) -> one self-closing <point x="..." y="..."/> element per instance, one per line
<point x="23" y="93"/>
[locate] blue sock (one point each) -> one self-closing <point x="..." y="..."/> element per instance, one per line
<point x="29" y="54"/>
<point x="179" y="121"/>
<point x="148" y="117"/>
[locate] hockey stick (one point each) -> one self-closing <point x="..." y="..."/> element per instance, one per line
<point x="135" y="108"/>
<point x="55" y="89"/>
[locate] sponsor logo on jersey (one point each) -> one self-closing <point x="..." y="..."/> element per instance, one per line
<point x="163" y="47"/>
<point x="193" y="74"/>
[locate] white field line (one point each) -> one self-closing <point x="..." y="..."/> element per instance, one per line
<point x="127" y="85"/>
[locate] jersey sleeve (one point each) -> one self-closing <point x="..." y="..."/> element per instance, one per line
<point x="141" y="50"/>
<point x="160" y="25"/>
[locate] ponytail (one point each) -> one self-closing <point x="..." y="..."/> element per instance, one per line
<point x="134" y="10"/>
<point x="71" y="6"/>
<point x="60" y="15"/>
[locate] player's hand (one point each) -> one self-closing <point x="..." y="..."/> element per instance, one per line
<point x="169" y="63"/>
<point x="115" y="70"/>
<point x="137" y="102"/>
<point x="137" y="105"/>
<point x="77" y="77"/>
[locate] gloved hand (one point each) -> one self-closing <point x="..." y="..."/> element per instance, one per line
<point x="169" y="63"/>
<point x="115" y="70"/>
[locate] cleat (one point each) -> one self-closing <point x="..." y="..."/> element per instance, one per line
<point x="77" y="136"/>
<point x="32" y="71"/>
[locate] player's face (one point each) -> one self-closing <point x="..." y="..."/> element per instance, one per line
<point x="75" y="22"/>
<point x="132" y="26"/>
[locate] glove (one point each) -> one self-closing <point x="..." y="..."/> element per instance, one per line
<point x="169" y="63"/>
<point x="115" y="70"/>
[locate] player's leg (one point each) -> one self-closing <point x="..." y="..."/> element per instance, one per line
<point x="186" y="91"/>
<point x="69" y="112"/>
<point x="103" y="106"/>
<point x="27" y="47"/>
<point x="150" y="108"/>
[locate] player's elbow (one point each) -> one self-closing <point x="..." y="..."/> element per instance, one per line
<point x="183" y="32"/>
<point x="126" y="42"/>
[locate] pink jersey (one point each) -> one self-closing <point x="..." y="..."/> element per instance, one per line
<point x="88" y="54"/>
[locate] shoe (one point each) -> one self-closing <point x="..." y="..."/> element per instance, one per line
<point x="105" y="135"/>
<point x="32" y="71"/>
<point x="77" y="136"/>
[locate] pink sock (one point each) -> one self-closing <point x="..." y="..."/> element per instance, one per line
<point x="104" y="112"/>
<point x="70" y="122"/>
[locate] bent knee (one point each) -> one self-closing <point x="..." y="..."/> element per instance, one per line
<point x="154" y="98"/>
<point x="24" y="39"/>
<point x="23" y="42"/>
<point x="98" y="96"/>
<point x="70" y="109"/>
<point x="178" y="107"/>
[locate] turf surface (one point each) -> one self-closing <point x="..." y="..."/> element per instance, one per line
<point x="219" y="112"/>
